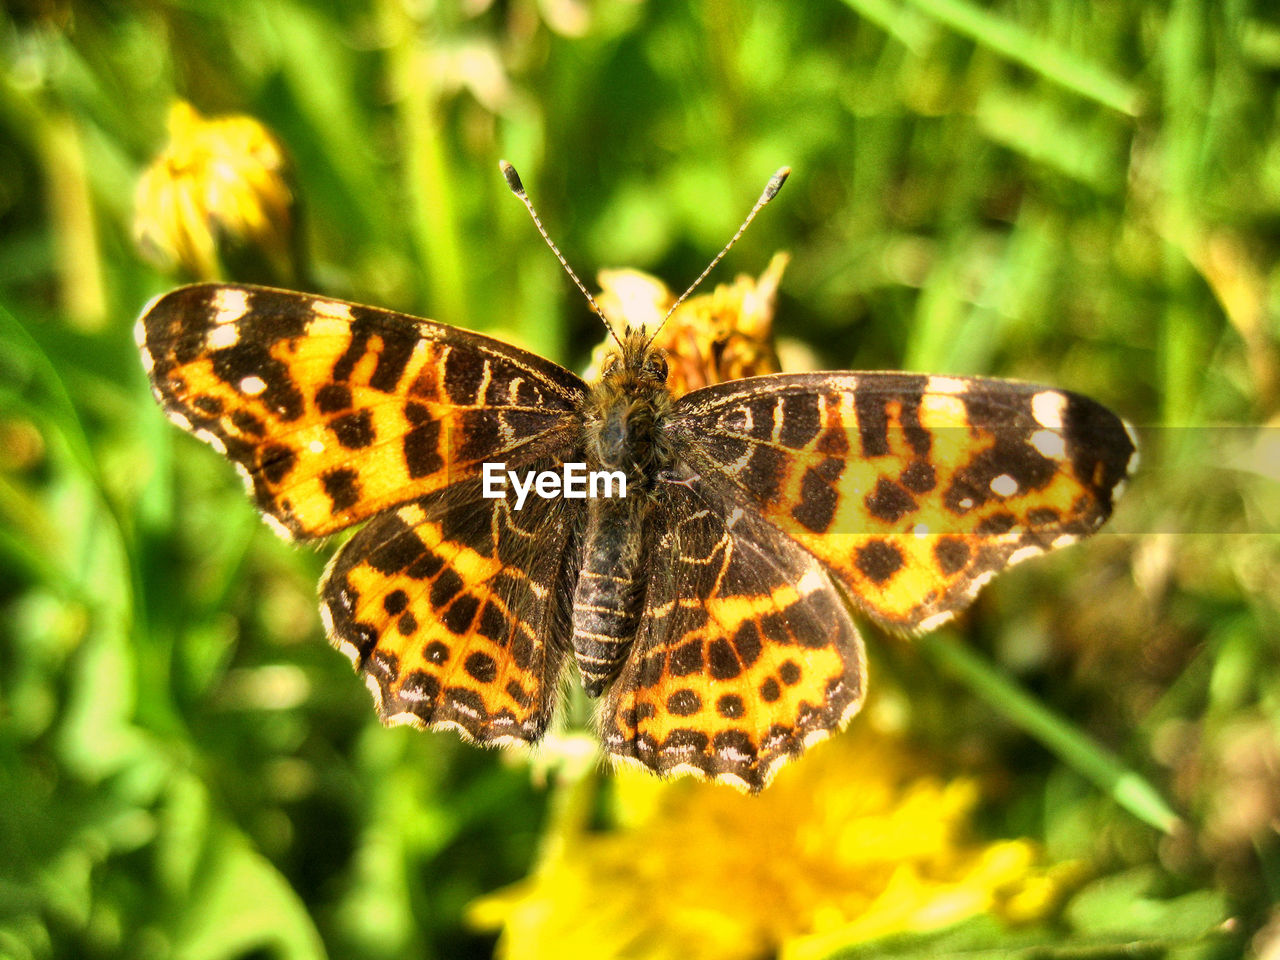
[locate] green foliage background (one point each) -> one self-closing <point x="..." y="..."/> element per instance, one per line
<point x="1085" y="194"/>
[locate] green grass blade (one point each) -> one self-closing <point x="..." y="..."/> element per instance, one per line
<point x="1040" y="56"/>
<point x="1125" y="786"/>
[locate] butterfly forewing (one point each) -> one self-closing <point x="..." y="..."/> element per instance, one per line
<point x="337" y="411"/>
<point x="914" y="490"/>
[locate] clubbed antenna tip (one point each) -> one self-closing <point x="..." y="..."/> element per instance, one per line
<point x="770" y="190"/>
<point x="517" y="186"/>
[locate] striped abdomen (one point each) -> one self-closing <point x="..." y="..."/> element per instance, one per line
<point x="607" y="599"/>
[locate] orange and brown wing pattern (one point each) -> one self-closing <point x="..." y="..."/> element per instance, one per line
<point x="746" y="654"/>
<point x="448" y="605"/>
<point x="335" y="411"/>
<point x="914" y="490"/>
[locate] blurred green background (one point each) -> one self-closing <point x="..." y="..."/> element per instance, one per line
<point x="1083" y="194"/>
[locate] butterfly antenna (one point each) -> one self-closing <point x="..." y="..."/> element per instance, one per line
<point x="770" y="191"/>
<point x="517" y="187"/>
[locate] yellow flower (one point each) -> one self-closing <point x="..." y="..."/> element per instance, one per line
<point x="220" y="189"/>
<point x="858" y="840"/>
<point x="711" y="338"/>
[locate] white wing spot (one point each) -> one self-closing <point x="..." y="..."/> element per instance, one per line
<point x="252" y="385"/>
<point x="1049" y="443"/>
<point x="332" y="309"/>
<point x="1047" y="407"/>
<point x="229" y="305"/>
<point x="375" y="689"/>
<point x="453" y="725"/>
<point x="244" y="475"/>
<point x="221" y="337"/>
<point x="315" y="446"/>
<point x="1004" y="485"/>
<point x="936" y="620"/>
<point x="406" y="719"/>
<point x="347" y="649"/>
<point x="465" y="709"/>
<point x="278" y="528"/>
<point x="212" y="439"/>
<point x="815" y="737"/>
<point x="1132" y="465"/>
<point x="505" y="430"/>
<point x="980" y="581"/>
<point x="811" y="582"/>
<point x="966" y="503"/>
<point x="1023" y="553"/>
<point x="920" y="530"/>
<point x="849" y="711"/>
<point x="945" y="385"/>
<point x="326" y="618"/>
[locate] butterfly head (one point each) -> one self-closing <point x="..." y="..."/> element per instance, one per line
<point x="636" y="368"/>
<point x="628" y="404"/>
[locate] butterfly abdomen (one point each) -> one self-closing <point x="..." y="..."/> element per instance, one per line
<point x="608" y="595"/>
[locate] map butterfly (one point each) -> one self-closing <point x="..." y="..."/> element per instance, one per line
<point x="710" y="608"/>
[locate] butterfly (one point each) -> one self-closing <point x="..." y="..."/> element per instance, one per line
<point x="709" y="607"/>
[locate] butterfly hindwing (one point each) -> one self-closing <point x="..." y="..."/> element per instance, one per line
<point x="914" y="490"/>
<point x="335" y="411"/>
<point x="451" y="607"/>
<point x="745" y="654"/>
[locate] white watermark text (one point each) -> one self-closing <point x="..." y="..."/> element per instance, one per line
<point x="573" y="482"/>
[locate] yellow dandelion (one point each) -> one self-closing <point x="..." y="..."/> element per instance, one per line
<point x="859" y="840"/>
<point x="711" y="338"/>
<point x="220" y="189"/>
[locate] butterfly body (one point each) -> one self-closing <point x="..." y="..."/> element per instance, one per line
<point x="624" y="430"/>
<point x="624" y="426"/>
<point x="709" y="608"/>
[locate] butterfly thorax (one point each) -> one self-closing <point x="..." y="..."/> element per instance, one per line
<point x="624" y="422"/>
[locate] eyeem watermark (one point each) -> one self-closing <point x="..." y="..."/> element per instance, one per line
<point x="573" y="482"/>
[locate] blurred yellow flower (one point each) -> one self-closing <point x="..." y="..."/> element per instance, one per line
<point x="220" y="188"/>
<point x="859" y="840"/>
<point x="711" y="338"/>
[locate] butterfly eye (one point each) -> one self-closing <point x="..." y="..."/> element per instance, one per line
<point x="609" y="363"/>
<point x="659" y="367"/>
